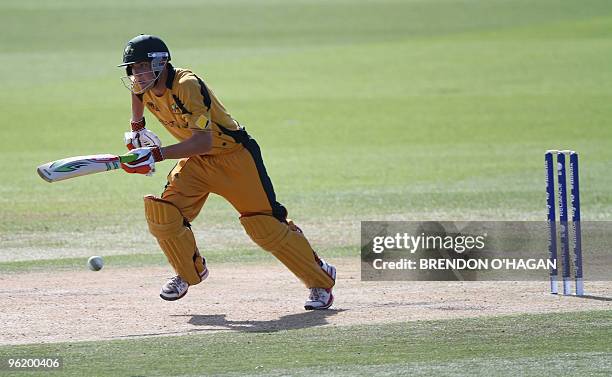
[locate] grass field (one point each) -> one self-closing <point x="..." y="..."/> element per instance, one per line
<point x="413" y="109"/>
<point x="364" y="110"/>
<point x="502" y="346"/>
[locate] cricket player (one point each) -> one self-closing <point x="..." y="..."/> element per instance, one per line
<point x="216" y="155"/>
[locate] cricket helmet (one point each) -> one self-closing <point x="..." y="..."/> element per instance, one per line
<point x="144" y="48"/>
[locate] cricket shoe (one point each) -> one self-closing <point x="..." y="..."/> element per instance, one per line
<point x="175" y="288"/>
<point x="322" y="298"/>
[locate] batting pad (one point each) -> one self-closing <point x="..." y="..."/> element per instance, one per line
<point x="289" y="246"/>
<point x="166" y="223"/>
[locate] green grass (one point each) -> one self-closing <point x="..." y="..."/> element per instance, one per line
<point x="417" y="108"/>
<point x="158" y="259"/>
<point x="413" y="110"/>
<point x="527" y="345"/>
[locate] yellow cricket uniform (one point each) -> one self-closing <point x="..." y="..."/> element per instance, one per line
<point x="233" y="169"/>
<point x="189" y="104"/>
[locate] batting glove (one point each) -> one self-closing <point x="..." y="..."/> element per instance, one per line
<point x="145" y="160"/>
<point x="140" y="136"/>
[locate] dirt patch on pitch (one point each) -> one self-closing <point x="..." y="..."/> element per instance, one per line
<point x="120" y="303"/>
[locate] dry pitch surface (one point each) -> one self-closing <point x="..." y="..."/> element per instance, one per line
<point x="124" y="303"/>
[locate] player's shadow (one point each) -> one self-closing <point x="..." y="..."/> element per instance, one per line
<point x="287" y="322"/>
<point x="596" y="298"/>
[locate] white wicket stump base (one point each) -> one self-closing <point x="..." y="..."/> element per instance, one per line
<point x="579" y="287"/>
<point x="553" y="285"/>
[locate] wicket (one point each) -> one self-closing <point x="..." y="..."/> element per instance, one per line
<point x="563" y="220"/>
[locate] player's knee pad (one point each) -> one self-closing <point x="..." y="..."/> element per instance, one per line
<point x="287" y="244"/>
<point x="167" y="225"/>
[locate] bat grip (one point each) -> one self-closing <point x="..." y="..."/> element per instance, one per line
<point x="127" y="158"/>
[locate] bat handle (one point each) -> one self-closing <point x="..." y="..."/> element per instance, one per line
<point x="127" y="158"/>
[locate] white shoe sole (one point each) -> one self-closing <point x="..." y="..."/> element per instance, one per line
<point x="173" y="298"/>
<point x="311" y="307"/>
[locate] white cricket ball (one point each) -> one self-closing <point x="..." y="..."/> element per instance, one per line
<point x="95" y="263"/>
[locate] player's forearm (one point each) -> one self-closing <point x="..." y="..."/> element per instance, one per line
<point x="199" y="143"/>
<point x="137" y="107"/>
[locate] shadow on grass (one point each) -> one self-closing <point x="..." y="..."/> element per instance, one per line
<point x="288" y="322"/>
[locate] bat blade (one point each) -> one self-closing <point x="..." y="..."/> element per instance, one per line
<point x="78" y="166"/>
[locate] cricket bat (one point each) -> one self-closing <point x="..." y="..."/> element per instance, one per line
<point x="71" y="167"/>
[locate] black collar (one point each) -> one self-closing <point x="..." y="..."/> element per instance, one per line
<point x="171" y="74"/>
